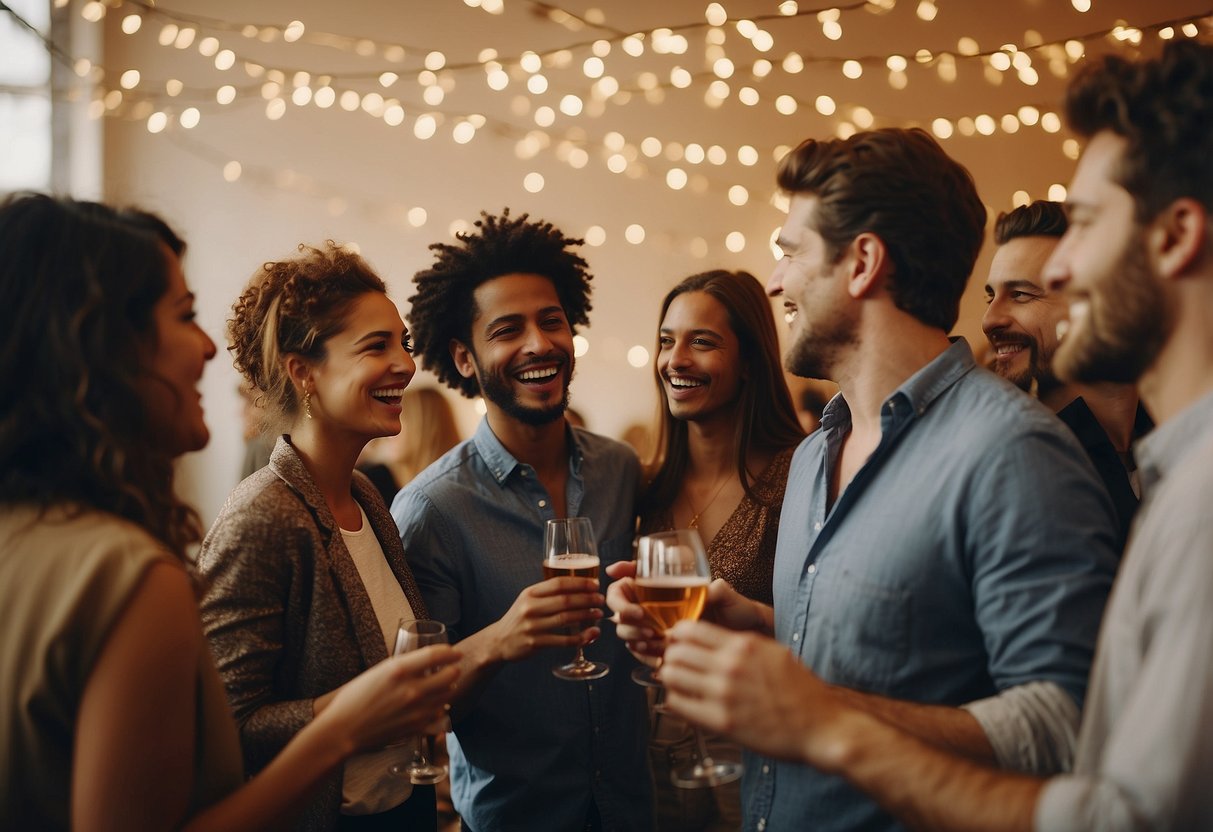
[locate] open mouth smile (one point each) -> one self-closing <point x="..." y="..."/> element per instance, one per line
<point x="388" y="395"/>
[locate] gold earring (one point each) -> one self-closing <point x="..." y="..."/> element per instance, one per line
<point x="307" y="403"/>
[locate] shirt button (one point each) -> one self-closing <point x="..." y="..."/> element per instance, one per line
<point x="795" y="636"/>
<point x="543" y="503"/>
<point x="762" y="824"/>
<point x="816" y="527"/>
<point x="812" y="568"/>
<point x="766" y="769"/>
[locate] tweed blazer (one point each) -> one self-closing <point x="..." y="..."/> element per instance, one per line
<point x="285" y="611"/>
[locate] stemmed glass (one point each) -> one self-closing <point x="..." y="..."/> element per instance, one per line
<point x="672" y="577"/>
<point x="413" y="634"/>
<point x="569" y="551"/>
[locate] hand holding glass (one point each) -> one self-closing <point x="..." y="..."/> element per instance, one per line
<point x="672" y="577"/>
<point x="569" y="551"/>
<point x="413" y="634"/>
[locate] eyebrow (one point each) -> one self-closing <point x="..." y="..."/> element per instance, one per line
<point x="518" y="316"/>
<point x="665" y="330"/>
<point x="188" y="297"/>
<point x="373" y="335"/>
<point x="1019" y="286"/>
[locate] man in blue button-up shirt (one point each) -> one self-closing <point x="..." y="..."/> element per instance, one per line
<point x="1137" y="267"/>
<point x="494" y="315"/>
<point x="943" y="542"/>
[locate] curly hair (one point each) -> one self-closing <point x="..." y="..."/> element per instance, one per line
<point x="899" y="185"/>
<point x="767" y="418"/>
<point x="78" y="285"/>
<point x="292" y="307"/>
<point x="1041" y="218"/>
<point x="1163" y="108"/>
<point x="445" y="305"/>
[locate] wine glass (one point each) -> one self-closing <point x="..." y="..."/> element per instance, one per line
<point x="569" y="551"/>
<point x="413" y="634"/>
<point x="672" y="577"/>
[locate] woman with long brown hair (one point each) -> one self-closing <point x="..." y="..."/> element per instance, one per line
<point x="112" y="715"/>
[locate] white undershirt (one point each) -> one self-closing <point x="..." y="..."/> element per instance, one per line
<point x="367" y="785"/>
<point x="387" y="596"/>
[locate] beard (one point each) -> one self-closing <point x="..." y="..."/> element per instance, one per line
<point x="498" y="388"/>
<point x="1038" y="376"/>
<point x="1126" y="324"/>
<point x="815" y="351"/>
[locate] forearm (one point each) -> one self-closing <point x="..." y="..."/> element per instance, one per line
<point x="929" y="788"/>
<point x="951" y="729"/>
<point x="273" y="799"/>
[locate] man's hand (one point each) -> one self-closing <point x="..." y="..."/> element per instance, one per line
<point x="632" y="623"/>
<point x="541" y="612"/>
<point x="753" y="690"/>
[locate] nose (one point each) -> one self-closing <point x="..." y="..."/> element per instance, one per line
<point x="208" y="346"/>
<point x="1056" y="273"/>
<point x="995" y="316"/>
<point x="775" y="281"/>
<point x="537" y="342"/>
<point x="405" y="365"/>
<point x="679" y="355"/>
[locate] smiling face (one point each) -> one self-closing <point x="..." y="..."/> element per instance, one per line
<point x="169" y="386"/>
<point x="522" y="349"/>
<point x="1119" y="317"/>
<point x="1021" y="316"/>
<point x="356" y="388"/>
<point x="820" y="317"/>
<point x="699" y="359"/>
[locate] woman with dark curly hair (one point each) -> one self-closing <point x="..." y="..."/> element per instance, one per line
<point x="307" y="578"/>
<point x="112" y="715"/>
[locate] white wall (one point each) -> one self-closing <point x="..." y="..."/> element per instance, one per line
<point x="317" y="174"/>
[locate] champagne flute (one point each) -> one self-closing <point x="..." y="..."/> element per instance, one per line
<point x="569" y="551"/>
<point x="413" y="634"/>
<point x="672" y="577"/>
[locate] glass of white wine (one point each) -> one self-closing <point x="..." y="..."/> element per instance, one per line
<point x="672" y="577"/>
<point x="569" y="551"/>
<point x="413" y="634"/>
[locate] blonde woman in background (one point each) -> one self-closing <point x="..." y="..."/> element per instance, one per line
<point x="427" y="431"/>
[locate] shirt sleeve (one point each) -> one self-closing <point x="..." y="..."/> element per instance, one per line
<point x="1153" y="768"/>
<point x="1032" y="728"/>
<point x="247" y="562"/>
<point x="429" y="550"/>
<point x="1041" y="547"/>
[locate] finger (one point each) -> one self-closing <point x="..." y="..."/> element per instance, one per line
<point x="699" y="632"/>
<point x="621" y="569"/>
<point x="707" y="713"/>
<point x="562" y="586"/>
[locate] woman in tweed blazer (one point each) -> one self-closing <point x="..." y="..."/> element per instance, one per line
<point x="291" y="612"/>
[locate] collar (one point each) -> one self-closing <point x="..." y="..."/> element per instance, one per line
<point x="501" y="463"/>
<point x="1170" y="443"/>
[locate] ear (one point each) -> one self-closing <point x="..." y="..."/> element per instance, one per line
<point x="462" y="356"/>
<point x="299" y="371"/>
<point x="868" y="262"/>
<point x="1176" y="238"/>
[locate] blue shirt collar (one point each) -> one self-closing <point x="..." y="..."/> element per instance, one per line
<point x="501" y="463"/>
<point x="912" y="398"/>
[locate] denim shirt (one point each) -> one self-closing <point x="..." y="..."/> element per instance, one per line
<point x="535" y="749"/>
<point x="972" y="552"/>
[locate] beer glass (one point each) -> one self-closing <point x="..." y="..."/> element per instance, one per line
<point x="569" y="551"/>
<point x="413" y="634"/>
<point x="672" y="577"/>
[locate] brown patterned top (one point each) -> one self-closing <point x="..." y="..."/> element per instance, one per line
<point x="743" y="551"/>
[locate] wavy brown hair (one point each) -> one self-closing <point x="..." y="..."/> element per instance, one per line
<point x="78" y="284"/>
<point x="901" y="186"/>
<point x="292" y="307"/>
<point x="766" y="417"/>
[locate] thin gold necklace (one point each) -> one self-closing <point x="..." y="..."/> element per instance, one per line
<point x="694" y="524"/>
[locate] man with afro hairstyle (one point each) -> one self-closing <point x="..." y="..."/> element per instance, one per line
<point x="494" y="316"/>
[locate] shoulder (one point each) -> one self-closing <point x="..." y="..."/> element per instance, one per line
<point x="262" y="509"/>
<point x="82" y="538"/>
<point x="599" y="449"/>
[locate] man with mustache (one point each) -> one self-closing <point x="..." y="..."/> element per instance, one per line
<point x="1137" y="267"/>
<point x="494" y="315"/>
<point x="1022" y="323"/>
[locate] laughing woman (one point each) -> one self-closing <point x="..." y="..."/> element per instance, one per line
<point x="307" y="577"/>
<point x="727" y="432"/>
<point x="111" y="713"/>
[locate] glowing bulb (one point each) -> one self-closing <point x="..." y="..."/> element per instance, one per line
<point x="571" y="105"/>
<point x="595" y="235"/>
<point x="156" y="122"/>
<point x="580" y="345"/>
<point x="723" y="68"/>
<point x="1020" y="198"/>
<point x="825" y="105"/>
<point x="676" y="178"/>
<point x="435" y="61"/>
<point x="793" y="63"/>
<point x="1050" y="122"/>
<point x="638" y="356"/>
<point x="425" y="126"/>
<point x="593" y="67"/>
<point x="1081" y="5"/>
<point x="617" y="163"/>
<point x="533" y="182"/>
<point x="694" y="153"/>
<point x="131" y="23"/>
<point x="417" y="217"/>
<point x="785" y="104"/>
<point x="747" y="155"/>
<point x="293" y="31"/>
<point x="852" y="69"/>
<point x="1057" y="192"/>
<point x="716" y="15"/>
<point x="735" y="241"/>
<point x="738" y="195"/>
<point x="537" y="84"/>
<point x="225" y="59"/>
<point x="896" y="63"/>
<point x="942" y="128"/>
<point x="232" y="171"/>
<point x="634" y="234"/>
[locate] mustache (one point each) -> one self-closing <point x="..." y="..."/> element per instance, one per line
<point x="999" y="338"/>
